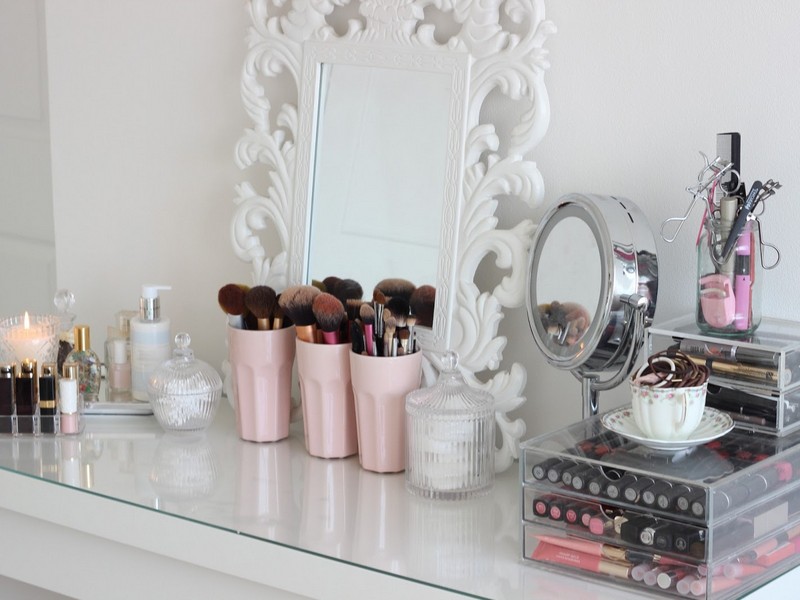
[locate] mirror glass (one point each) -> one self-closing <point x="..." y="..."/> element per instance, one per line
<point x="568" y="281"/>
<point x="376" y="205"/>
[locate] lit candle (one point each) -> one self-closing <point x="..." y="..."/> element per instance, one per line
<point x="31" y="338"/>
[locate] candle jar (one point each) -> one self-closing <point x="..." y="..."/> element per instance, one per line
<point x="728" y="285"/>
<point x="29" y="336"/>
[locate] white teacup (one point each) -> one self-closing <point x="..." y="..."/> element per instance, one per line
<point x="667" y="414"/>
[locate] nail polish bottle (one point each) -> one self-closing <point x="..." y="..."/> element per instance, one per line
<point x="118" y="354"/>
<point x="88" y="364"/>
<point x="6" y="397"/>
<point x="47" y="399"/>
<point x="68" y="400"/>
<point x="25" y="385"/>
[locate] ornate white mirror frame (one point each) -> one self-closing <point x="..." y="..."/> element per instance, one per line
<point x="504" y="45"/>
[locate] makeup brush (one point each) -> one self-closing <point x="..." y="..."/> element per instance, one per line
<point x="399" y="307"/>
<point x="404" y="339"/>
<point x="347" y="289"/>
<point x="389" y="340"/>
<point x="396" y="287"/>
<point x="296" y="303"/>
<point x="422" y="302"/>
<point x="379" y="304"/>
<point x="319" y="285"/>
<point x="278" y="318"/>
<point x="329" y="313"/>
<point x="261" y="300"/>
<point x="330" y="282"/>
<point x="367" y="314"/>
<point x="353" y="309"/>
<point x="356" y="338"/>
<point x="411" y="323"/>
<point x="231" y="301"/>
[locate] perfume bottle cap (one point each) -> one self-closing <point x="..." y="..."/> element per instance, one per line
<point x="49" y="370"/>
<point x="82" y="338"/>
<point x="7" y="371"/>
<point x="70" y="370"/>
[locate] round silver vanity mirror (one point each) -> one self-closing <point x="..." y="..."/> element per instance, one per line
<point x="592" y="288"/>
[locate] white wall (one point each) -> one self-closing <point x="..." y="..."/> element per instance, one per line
<point x="637" y="89"/>
<point x="145" y="113"/>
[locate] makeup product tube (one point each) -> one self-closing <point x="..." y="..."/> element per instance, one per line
<point x="68" y="404"/>
<point x="26" y="396"/>
<point x="580" y="560"/>
<point x="47" y="398"/>
<point x="6" y="397"/>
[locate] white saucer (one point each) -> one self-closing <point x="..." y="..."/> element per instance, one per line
<point x="713" y="424"/>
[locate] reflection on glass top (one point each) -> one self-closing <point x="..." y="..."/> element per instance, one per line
<point x="277" y="492"/>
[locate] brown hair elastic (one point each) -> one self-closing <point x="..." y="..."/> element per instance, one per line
<point x="672" y="368"/>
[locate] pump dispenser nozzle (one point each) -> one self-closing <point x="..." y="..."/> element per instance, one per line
<point x="149" y="305"/>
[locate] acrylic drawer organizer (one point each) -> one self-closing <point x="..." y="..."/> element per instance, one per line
<point x="755" y="379"/>
<point x="712" y="521"/>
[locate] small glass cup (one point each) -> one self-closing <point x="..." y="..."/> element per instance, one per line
<point x="728" y="285"/>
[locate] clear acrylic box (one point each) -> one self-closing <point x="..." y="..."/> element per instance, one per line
<point x="732" y="504"/>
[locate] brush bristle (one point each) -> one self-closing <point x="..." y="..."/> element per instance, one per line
<point x="328" y="311"/>
<point x="231" y="299"/>
<point x="422" y="303"/>
<point x="396" y="287"/>
<point x="347" y="289"/>
<point x="296" y="302"/>
<point x="390" y="325"/>
<point x="378" y="297"/>
<point x="367" y="314"/>
<point x="260" y="300"/>
<point x="398" y="306"/>
<point x="330" y="283"/>
<point x="353" y="308"/>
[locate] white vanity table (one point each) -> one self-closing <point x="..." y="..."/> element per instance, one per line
<point x="126" y="511"/>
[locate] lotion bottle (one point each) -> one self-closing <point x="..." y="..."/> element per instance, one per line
<point x="150" y="340"/>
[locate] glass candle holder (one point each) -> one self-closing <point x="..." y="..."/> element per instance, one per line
<point x="34" y="337"/>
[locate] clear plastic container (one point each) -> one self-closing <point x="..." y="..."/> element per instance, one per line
<point x="728" y="285"/>
<point x="184" y="392"/>
<point x="450" y="447"/>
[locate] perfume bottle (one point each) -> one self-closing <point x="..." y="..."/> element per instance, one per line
<point x="88" y="364"/>
<point x="118" y="354"/>
<point x="63" y="301"/>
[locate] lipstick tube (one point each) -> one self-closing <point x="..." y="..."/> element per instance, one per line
<point x="47" y="398"/>
<point x="25" y="385"/>
<point x="6" y="397"/>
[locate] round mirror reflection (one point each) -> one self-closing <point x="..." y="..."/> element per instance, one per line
<point x="568" y="282"/>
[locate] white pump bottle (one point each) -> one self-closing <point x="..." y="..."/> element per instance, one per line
<point x="150" y="340"/>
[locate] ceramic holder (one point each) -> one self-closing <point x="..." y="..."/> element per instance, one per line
<point x="329" y="414"/>
<point x="380" y="385"/>
<point x="261" y="376"/>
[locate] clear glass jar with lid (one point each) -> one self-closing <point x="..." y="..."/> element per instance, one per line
<point x="184" y="392"/>
<point x="450" y="445"/>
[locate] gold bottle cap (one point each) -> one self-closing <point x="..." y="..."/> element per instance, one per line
<point x="27" y="370"/>
<point x="49" y="370"/>
<point x="70" y="370"/>
<point x="82" y="340"/>
<point x="7" y="371"/>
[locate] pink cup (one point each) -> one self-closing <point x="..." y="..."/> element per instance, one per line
<point x="329" y="414"/>
<point x="380" y="385"/>
<point x="261" y="374"/>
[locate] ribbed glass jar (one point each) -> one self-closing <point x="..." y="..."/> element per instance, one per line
<point x="450" y="446"/>
<point x="184" y="392"/>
